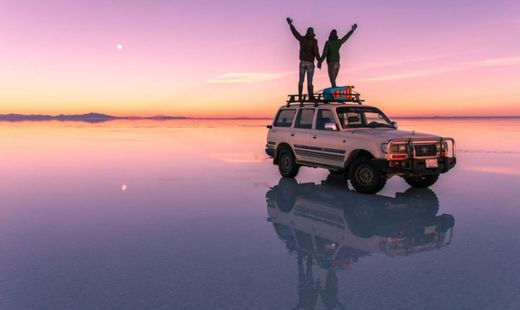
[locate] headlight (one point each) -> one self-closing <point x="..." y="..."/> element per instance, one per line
<point x="444" y="151"/>
<point x="399" y="148"/>
<point x="384" y="148"/>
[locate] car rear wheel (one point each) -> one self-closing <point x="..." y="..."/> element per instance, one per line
<point x="365" y="178"/>
<point x="287" y="163"/>
<point x="422" y="181"/>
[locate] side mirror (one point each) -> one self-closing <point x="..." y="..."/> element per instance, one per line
<point x="394" y="124"/>
<point x="331" y="126"/>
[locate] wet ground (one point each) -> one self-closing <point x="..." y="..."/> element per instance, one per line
<point x="192" y="215"/>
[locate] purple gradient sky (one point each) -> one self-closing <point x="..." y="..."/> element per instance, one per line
<point x="409" y="57"/>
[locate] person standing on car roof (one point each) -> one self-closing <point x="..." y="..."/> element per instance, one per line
<point x="308" y="52"/>
<point x="331" y="52"/>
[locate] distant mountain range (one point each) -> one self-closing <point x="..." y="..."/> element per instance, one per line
<point x="89" y="117"/>
<point x="99" y="117"/>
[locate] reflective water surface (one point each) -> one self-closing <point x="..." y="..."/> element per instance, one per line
<point x="191" y="214"/>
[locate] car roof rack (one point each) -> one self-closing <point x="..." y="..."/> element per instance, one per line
<point x="318" y="98"/>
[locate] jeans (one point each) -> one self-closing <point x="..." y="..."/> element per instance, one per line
<point x="333" y="68"/>
<point x="306" y="66"/>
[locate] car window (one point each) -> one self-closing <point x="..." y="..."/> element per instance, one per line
<point x="324" y="117"/>
<point x="362" y="117"/>
<point x="373" y="118"/>
<point x="349" y="119"/>
<point x="354" y="119"/>
<point x="285" y="118"/>
<point x="304" y="119"/>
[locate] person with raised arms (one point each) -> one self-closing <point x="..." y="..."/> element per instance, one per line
<point x="308" y="52"/>
<point x="331" y="53"/>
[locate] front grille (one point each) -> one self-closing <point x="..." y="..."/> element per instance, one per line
<point x="425" y="150"/>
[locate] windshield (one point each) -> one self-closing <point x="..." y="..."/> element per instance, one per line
<point x="355" y="117"/>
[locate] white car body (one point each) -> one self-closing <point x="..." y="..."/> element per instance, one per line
<point x="335" y="145"/>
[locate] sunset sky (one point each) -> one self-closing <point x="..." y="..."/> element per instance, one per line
<point x="238" y="58"/>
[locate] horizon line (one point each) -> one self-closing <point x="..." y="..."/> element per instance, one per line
<point x="96" y="116"/>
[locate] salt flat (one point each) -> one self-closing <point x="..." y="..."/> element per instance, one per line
<point x="191" y="214"/>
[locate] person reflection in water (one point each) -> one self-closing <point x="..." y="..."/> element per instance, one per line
<point x="331" y="53"/>
<point x="308" y="52"/>
<point x="329" y="226"/>
<point x="329" y="294"/>
<point x="308" y="289"/>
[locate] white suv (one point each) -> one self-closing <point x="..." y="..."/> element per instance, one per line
<point x="357" y="140"/>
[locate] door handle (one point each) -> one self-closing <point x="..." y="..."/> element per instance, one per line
<point x="292" y="135"/>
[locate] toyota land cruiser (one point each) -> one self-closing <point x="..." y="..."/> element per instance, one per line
<point x="357" y="140"/>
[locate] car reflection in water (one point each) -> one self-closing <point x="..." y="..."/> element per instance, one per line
<point x="329" y="226"/>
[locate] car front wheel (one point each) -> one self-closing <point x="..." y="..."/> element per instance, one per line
<point x="365" y="178"/>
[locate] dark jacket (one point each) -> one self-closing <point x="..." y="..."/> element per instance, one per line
<point x="331" y="49"/>
<point x="308" y="46"/>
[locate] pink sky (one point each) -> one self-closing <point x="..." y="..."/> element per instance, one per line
<point x="238" y="58"/>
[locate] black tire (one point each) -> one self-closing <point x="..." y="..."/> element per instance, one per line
<point x="422" y="181"/>
<point x="364" y="176"/>
<point x="287" y="163"/>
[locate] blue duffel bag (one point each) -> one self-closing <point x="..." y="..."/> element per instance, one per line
<point x="339" y="93"/>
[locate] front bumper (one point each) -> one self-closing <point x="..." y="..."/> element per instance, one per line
<point x="414" y="166"/>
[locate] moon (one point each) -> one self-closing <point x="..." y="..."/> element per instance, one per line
<point x="124" y="187"/>
<point x="119" y="46"/>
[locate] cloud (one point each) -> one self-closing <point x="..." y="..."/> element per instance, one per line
<point x="401" y="62"/>
<point x="245" y="78"/>
<point x="506" y="61"/>
<point x="256" y="77"/>
<point x="495" y="62"/>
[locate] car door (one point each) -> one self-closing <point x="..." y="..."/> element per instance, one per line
<point x="329" y="144"/>
<point x="301" y="134"/>
<point x="282" y="127"/>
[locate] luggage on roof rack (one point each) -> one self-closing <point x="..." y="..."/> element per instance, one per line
<point x="341" y="94"/>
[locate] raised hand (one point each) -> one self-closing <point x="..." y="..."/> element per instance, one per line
<point x="354" y="27"/>
<point x="289" y="20"/>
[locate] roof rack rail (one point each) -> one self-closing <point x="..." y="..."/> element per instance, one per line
<point x="318" y="98"/>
